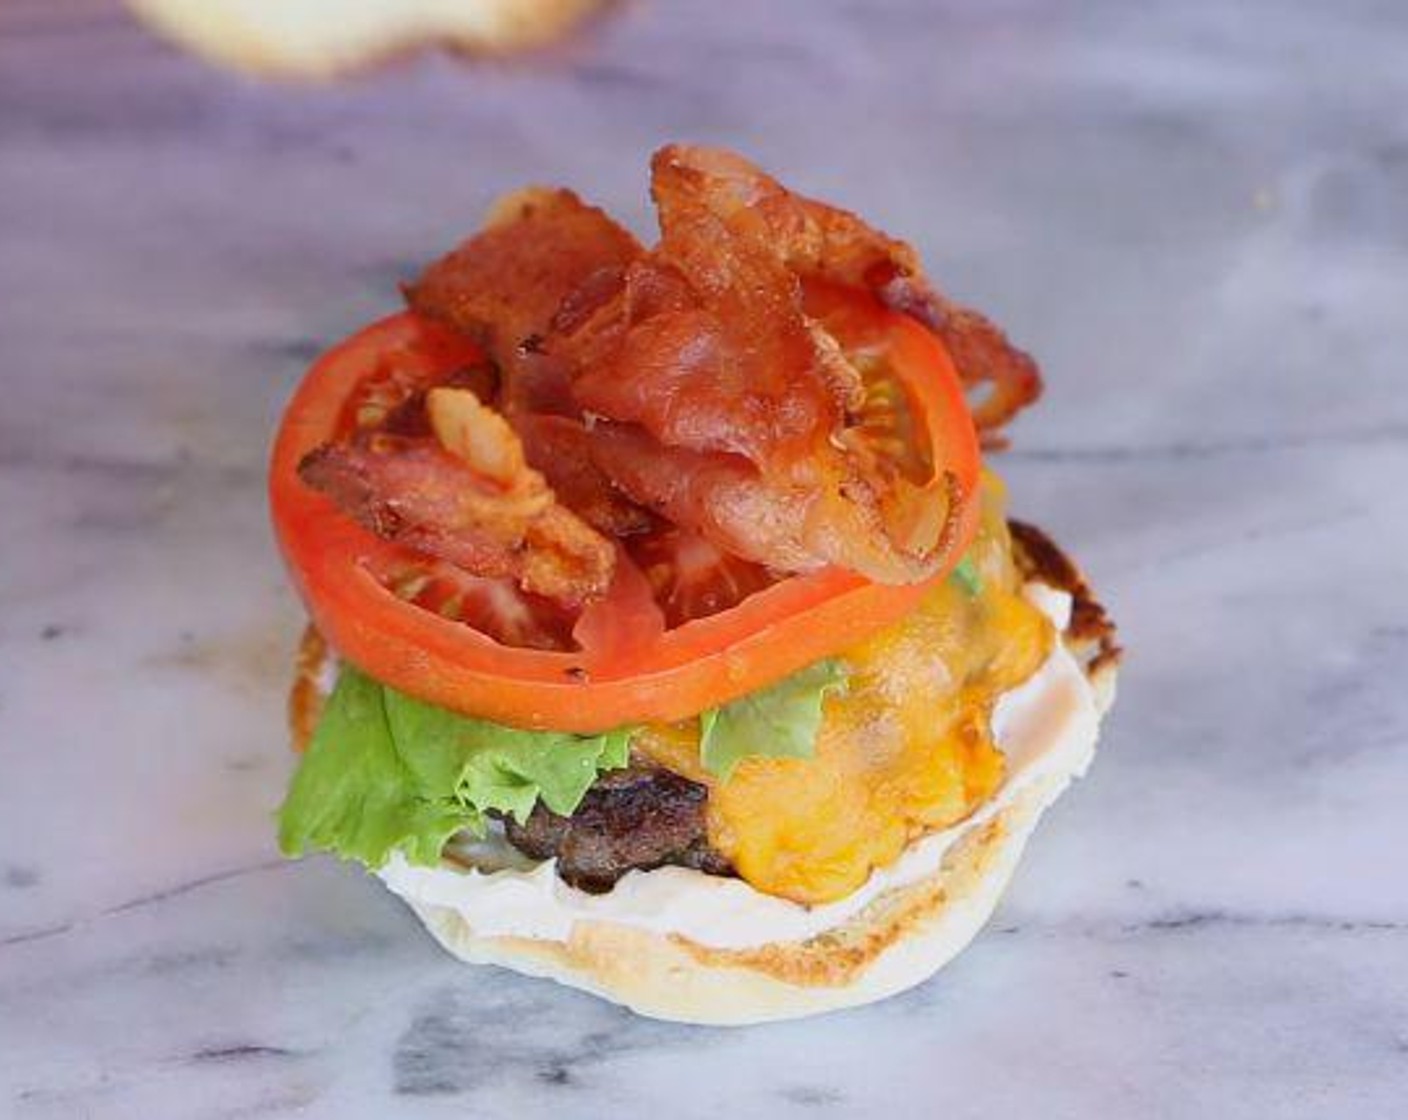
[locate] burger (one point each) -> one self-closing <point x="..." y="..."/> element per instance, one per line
<point x="669" y="637"/>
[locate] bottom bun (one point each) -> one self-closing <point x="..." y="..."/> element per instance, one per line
<point x="900" y="939"/>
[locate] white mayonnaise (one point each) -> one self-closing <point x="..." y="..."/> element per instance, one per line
<point x="1046" y="728"/>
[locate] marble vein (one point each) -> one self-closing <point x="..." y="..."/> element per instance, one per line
<point x="1392" y="435"/>
<point x="154" y="898"/>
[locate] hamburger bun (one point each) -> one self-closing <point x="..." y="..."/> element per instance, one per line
<point x="320" y="39"/>
<point x="899" y="939"/>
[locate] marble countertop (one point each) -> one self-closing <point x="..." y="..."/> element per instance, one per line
<point x="1195" y="214"/>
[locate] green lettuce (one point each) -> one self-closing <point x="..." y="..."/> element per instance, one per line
<point x="385" y="772"/>
<point x="780" y="721"/>
<point x="967" y="576"/>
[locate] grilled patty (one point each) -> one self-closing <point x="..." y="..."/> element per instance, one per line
<point x="637" y="818"/>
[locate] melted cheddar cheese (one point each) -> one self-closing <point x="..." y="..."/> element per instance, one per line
<point x="905" y="749"/>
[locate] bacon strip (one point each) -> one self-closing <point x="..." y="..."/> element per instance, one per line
<point x="467" y="497"/>
<point x="720" y="496"/>
<point x="504" y="285"/>
<point x="561" y="449"/>
<point x="817" y="240"/>
<point x="687" y="383"/>
<point x="729" y="406"/>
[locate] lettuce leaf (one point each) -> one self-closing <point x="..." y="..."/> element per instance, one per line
<point x="385" y="772"/>
<point x="780" y="721"/>
<point x="967" y="576"/>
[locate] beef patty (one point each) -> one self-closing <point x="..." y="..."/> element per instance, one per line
<point x="640" y="817"/>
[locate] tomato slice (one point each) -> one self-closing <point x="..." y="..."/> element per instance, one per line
<point x="614" y="677"/>
<point x="691" y="577"/>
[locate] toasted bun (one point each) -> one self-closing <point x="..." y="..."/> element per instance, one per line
<point x="323" y="38"/>
<point x="898" y="941"/>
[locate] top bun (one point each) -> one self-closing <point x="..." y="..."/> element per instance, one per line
<point x="321" y="39"/>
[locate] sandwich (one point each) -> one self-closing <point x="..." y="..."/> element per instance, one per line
<point x="669" y="635"/>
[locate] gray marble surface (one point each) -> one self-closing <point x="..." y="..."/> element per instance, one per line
<point x="1196" y="214"/>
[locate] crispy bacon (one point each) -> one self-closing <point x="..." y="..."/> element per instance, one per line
<point x="717" y="494"/>
<point x="561" y="449"/>
<point x="504" y="285"/>
<point x="466" y="496"/>
<point x="825" y="242"/>
<point x="1001" y="380"/>
<point x="687" y="386"/>
<point x="706" y="345"/>
<point x="730" y="406"/>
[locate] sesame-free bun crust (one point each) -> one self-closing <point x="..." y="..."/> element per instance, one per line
<point x="321" y="39"/>
<point x="899" y="940"/>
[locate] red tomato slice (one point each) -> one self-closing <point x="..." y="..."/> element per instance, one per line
<point x="341" y="570"/>
<point x="690" y="577"/>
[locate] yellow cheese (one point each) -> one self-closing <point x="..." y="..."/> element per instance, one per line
<point x="906" y="748"/>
